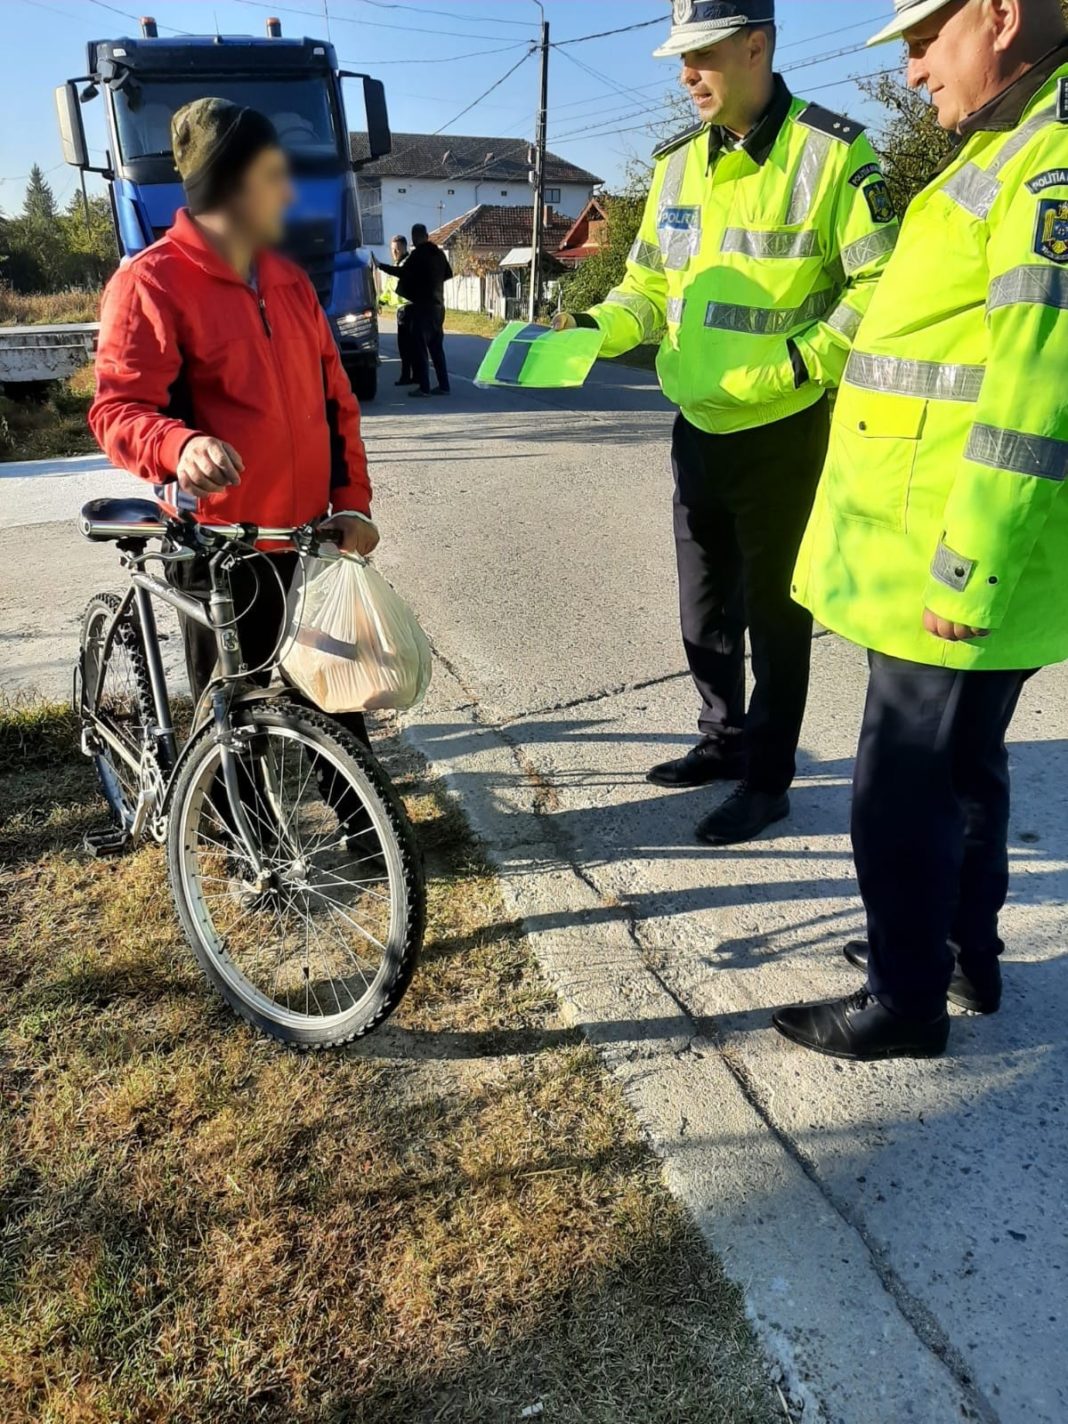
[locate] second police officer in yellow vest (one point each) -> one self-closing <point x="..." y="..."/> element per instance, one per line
<point x="766" y="229"/>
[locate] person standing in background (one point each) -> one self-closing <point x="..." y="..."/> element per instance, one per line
<point x="421" y="282"/>
<point x="393" y="300"/>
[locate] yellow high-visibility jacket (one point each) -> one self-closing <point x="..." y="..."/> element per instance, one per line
<point x="949" y="447"/>
<point x="744" y="251"/>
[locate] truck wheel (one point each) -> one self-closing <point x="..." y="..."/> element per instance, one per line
<point x="364" y="382"/>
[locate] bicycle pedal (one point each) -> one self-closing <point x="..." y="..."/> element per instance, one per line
<point x="106" y="842"/>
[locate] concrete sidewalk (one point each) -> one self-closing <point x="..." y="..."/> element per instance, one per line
<point x="899" y="1230"/>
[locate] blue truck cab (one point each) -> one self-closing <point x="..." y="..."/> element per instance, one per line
<point x="298" y="85"/>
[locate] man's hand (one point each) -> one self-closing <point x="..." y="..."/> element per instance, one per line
<point x="951" y="632"/>
<point x="563" y="321"/>
<point x="207" y="465"/>
<point x="354" y="536"/>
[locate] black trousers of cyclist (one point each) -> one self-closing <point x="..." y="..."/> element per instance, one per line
<point x="741" y="505"/>
<point x="260" y="609"/>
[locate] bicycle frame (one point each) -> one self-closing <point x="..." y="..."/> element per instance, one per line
<point x="216" y="613"/>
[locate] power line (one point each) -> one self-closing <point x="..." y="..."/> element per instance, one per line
<point x="447" y="14"/>
<point x="447" y="58"/>
<point x="126" y="15"/>
<point x="603" y="34"/>
<point x="829" y="34"/>
<point x="822" y="58"/>
<point x="357" y="20"/>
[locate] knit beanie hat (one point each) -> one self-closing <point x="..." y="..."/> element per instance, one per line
<point x="213" y="142"/>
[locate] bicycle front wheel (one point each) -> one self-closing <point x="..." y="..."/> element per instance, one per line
<point x="319" y="946"/>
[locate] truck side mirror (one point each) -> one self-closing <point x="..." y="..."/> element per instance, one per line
<point x="71" y="128"/>
<point x="379" y="138"/>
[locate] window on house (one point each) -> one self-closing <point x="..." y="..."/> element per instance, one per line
<point x="402" y="190"/>
<point x="552" y="195"/>
<point x="369" y="192"/>
<point x="451" y="192"/>
<point x="504" y="192"/>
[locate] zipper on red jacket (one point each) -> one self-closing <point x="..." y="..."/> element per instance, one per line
<point x="263" y="318"/>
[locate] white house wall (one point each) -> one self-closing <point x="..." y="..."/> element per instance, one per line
<point x="432" y="201"/>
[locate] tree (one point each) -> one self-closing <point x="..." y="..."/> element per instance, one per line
<point x="39" y="205"/>
<point x="89" y="235"/>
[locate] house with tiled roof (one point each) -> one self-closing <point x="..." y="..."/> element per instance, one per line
<point x="488" y="233"/>
<point x="437" y="178"/>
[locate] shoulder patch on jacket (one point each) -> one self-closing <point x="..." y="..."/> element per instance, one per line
<point x="1062" y="101"/>
<point x="827" y="122"/>
<point x="1052" y="178"/>
<point x="671" y="144"/>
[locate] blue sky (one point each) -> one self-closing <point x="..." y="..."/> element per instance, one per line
<point x="433" y="58"/>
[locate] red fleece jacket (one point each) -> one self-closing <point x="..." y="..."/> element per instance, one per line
<point x="187" y="347"/>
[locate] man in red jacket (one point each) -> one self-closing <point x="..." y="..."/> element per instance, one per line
<point x="218" y="378"/>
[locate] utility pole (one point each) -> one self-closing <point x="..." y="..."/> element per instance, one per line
<point x="539" y="173"/>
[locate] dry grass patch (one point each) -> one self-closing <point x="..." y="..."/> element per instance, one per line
<point x="49" y="425"/>
<point x="48" y="308"/>
<point x="451" y="1223"/>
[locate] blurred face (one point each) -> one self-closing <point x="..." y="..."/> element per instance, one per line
<point x="398" y="250"/>
<point x="722" y="79"/>
<point x="958" y="55"/>
<point x="260" y="205"/>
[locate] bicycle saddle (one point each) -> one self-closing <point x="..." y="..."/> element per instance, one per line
<point x="125" y="518"/>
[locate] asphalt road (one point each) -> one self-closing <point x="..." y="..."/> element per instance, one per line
<point x="899" y="1230"/>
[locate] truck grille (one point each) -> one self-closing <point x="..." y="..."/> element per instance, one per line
<point x="311" y="244"/>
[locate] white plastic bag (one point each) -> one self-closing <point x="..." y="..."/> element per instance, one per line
<point x="352" y="643"/>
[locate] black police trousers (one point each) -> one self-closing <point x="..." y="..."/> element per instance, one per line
<point x="741" y="505"/>
<point x="428" y="344"/>
<point x="930" y="825"/>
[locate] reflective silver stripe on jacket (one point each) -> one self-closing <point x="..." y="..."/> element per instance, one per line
<point x="809" y="173"/>
<point x="644" y="254"/>
<point x="1018" y="453"/>
<point x="952" y="569"/>
<point x="677" y="244"/>
<point x="759" y="321"/>
<point x="1030" y="286"/>
<point x="973" y="189"/>
<point x="844" y="319"/>
<point x="675" y="308"/>
<point x="857" y="255"/>
<point x="1022" y="137"/>
<point x="771" y="244"/>
<point x="927" y="379"/>
<point x="638" y="306"/>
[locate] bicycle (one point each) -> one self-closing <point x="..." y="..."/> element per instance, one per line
<point x="294" y="869"/>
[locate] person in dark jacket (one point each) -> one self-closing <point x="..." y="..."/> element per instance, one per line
<point x="219" y="381"/>
<point x="421" y="282"/>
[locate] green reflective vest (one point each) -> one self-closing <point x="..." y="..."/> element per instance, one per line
<point x="949" y="447"/>
<point x="740" y="251"/>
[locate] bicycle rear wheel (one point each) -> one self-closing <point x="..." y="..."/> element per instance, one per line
<point x="320" y="947"/>
<point x="116" y="708"/>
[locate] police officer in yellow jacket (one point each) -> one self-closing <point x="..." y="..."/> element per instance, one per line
<point x="766" y="229"/>
<point x="939" y="540"/>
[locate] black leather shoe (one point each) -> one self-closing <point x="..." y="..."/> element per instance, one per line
<point x="978" y="994"/>
<point x="702" y="764"/>
<point x="743" y="815"/>
<point x="860" y="1028"/>
<point x="441" y="391"/>
<point x="419" y="393"/>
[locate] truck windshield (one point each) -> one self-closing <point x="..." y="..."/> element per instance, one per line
<point x="300" y="110"/>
